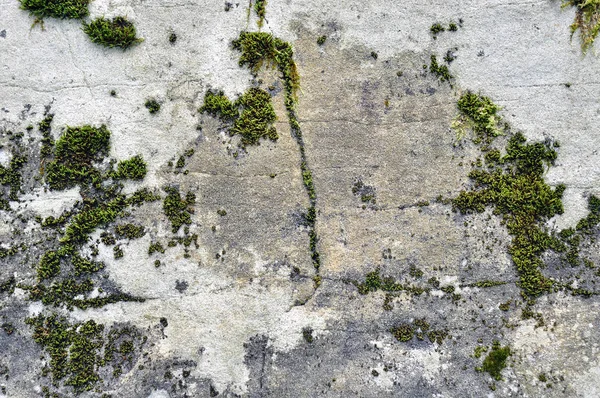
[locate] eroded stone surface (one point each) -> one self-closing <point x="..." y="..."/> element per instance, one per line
<point x="242" y="311"/>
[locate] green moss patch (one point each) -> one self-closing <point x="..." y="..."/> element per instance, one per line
<point x="77" y="351"/>
<point x="587" y="21"/>
<point x="152" y="105"/>
<point x="514" y="186"/>
<point x="495" y="361"/>
<point x="116" y="32"/>
<point x="178" y="209"/>
<point x="11" y="176"/>
<point x="74" y="154"/>
<point x="260" y="7"/>
<point x="441" y="71"/>
<point x="260" y="49"/>
<point x="73" y="9"/>
<point x="252" y="114"/>
<point x="131" y="169"/>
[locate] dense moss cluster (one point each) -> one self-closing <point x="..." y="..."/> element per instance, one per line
<point x="479" y="114"/>
<point x="514" y="186"/>
<point x="252" y="114"/>
<point x="77" y="351"/>
<point x="587" y="21"/>
<point x="131" y="169"/>
<point x="47" y="140"/>
<point x="260" y="49"/>
<point x="495" y="361"/>
<point x="74" y="154"/>
<point x="152" y="105"/>
<point x="178" y="209"/>
<point x="73" y="9"/>
<point x="72" y="349"/>
<point x="116" y="32"/>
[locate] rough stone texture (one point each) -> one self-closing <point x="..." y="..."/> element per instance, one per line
<point x="235" y="307"/>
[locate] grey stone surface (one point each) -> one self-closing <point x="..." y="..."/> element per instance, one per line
<point x="229" y="316"/>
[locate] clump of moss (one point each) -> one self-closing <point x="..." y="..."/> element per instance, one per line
<point x="118" y="252"/>
<point x="260" y="48"/>
<point x="130" y="231"/>
<point x="260" y="7"/>
<point x="47" y="140"/>
<point x="155" y="247"/>
<point x="479" y="114"/>
<point x="74" y="154"/>
<point x="321" y="40"/>
<point x="441" y="71"/>
<point x="49" y="265"/>
<point x="73" y="349"/>
<point x="11" y="176"/>
<point x="118" y="32"/>
<point x="131" y="169"/>
<point x="85" y="265"/>
<point x="365" y="192"/>
<point x="374" y="281"/>
<point x="515" y="187"/>
<point x="152" y="105"/>
<point x="403" y="332"/>
<point x="587" y="21"/>
<point x="252" y="114"/>
<point x="436" y="29"/>
<point x="495" y="361"/>
<point x="177" y="209"/>
<point x="217" y="104"/>
<point x="72" y="9"/>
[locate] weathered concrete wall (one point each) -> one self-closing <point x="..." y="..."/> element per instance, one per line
<point x="246" y="312"/>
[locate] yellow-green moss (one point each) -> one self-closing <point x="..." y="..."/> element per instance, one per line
<point x="587" y="21"/>
<point x="252" y="114"/>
